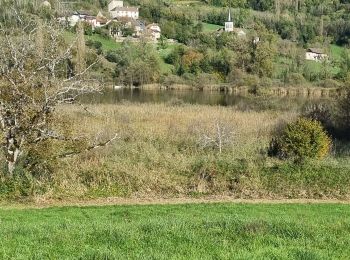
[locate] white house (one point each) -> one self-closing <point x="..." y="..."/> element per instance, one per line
<point x="315" y="55"/>
<point x="96" y="21"/>
<point x="130" y="12"/>
<point x="115" y="4"/>
<point x="117" y="26"/>
<point x="154" y="30"/>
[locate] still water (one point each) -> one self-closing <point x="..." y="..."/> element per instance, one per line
<point x="176" y="97"/>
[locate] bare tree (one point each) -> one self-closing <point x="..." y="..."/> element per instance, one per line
<point x="36" y="76"/>
<point x="80" y="59"/>
<point x="218" y="137"/>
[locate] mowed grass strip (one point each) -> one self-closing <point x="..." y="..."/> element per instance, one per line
<point x="189" y="231"/>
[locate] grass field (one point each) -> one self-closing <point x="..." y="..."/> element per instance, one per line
<point x="189" y="231"/>
<point x="107" y="44"/>
<point x="208" y="27"/>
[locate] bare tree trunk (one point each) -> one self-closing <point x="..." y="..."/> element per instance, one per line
<point x="219" y="137"/>
<point x="81" y="64"/>
<point x="13" y="153"/>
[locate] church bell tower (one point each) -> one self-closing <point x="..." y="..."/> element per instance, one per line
<point x="229" y="23"/>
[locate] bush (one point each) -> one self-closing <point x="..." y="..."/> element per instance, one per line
<point x="97" y="45"/>
<point x="295" y="79"/>
<point x="103" y="32"/>
<point x="330" y="83"/>
<point x="301" y="139"/>
<point x="170" y="80"/>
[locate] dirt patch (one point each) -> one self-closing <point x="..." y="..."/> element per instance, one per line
<point x="158" y="201"/>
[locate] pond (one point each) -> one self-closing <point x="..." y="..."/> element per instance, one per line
<point x="215" y="98"/>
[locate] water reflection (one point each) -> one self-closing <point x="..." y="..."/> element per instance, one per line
<point x="248" y="102"/>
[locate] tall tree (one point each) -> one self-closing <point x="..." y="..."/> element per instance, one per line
<point x="80" y="59"/>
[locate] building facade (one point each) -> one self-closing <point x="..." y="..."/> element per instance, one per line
<point x="129" y="12"/>
<point x="315" y="55"/>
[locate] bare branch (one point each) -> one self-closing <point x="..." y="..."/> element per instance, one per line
<point x="99" y="145"/>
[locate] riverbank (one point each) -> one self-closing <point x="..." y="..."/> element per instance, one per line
<point x="291" y="91"/>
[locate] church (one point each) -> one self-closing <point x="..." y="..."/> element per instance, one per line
<point x="229" y="27"/>
<point x="229" y="23"/>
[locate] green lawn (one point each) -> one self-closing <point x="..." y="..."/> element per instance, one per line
<point x="208" y="27"/>
<point x="163" y="53"/>
<point x="107" y="44"/>
<point x="202" y="231"/>
<point x="336" y="52"/>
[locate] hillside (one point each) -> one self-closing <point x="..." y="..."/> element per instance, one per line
<point x="204" y="56"/>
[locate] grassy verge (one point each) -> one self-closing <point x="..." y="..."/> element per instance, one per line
<point x="201" y="231"/>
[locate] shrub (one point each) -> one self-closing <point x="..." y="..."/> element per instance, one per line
<point x="97" y="45"/>
<point x="301" y="139"/>
<point x="329" y="83"/>
<point x="170" y="80"/>
<point x="103" y="32"/>
<point x="296" y="79"/>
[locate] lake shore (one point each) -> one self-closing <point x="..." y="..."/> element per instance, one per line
<point x="293" y="91"/>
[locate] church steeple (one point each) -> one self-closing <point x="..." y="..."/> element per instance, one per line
<point x="229" y="23"/>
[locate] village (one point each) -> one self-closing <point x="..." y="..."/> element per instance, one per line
<point x="121" y="22"/>
<point x="124" y="22"/>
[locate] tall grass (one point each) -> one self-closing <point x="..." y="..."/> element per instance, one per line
<point x="160" y="153"/>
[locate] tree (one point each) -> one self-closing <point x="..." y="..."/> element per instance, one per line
<point x="32" y="86"/>
<point x="263" y="54"/>
<point x="137" y="63"/>
<point x="80" y="59"/>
